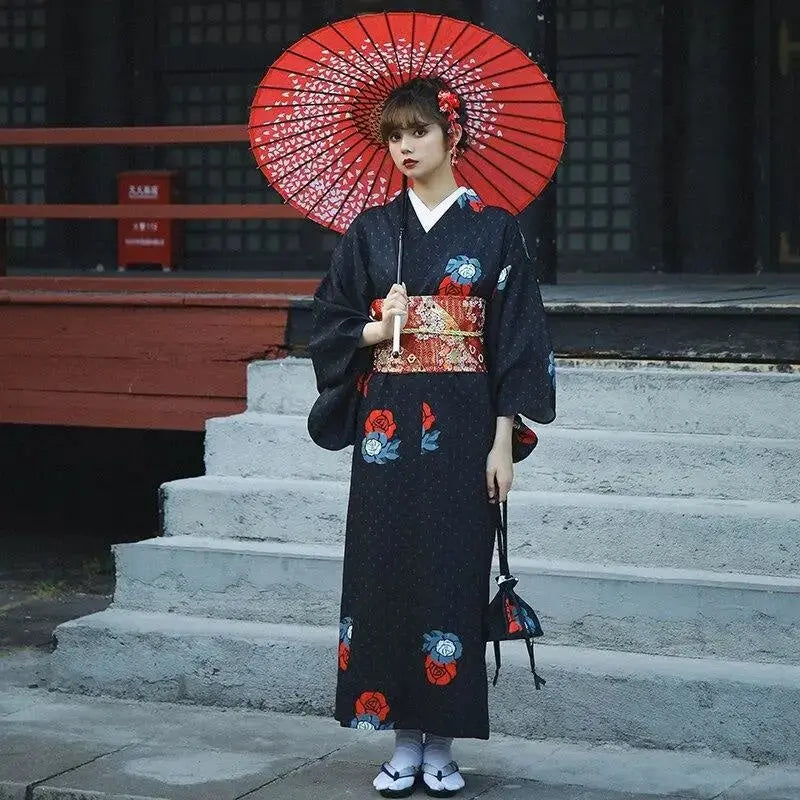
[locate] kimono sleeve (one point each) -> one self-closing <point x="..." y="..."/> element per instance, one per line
<point x="340" y="311"/>
<point x="520" y="354"/>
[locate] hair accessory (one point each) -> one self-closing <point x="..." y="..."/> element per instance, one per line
<point x="448" y="105"/>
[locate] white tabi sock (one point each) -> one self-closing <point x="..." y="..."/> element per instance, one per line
<point x="437" y="753"/>
<point x="407" y="753"/>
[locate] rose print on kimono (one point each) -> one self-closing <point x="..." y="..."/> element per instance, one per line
<point x="501" y="280"/>
<point x="429" y="437"/>
<point x="378" y="445"/>
<point x="449" y="287"/>
<point x="551" y="368"/>
<point x="470" y="197"/>
<point x="345" y="636"/>
<point x="362" y="382"/>
<point x="443" y="650"/>
<point x="371" y="709"/>
<point x="464" y="270"/>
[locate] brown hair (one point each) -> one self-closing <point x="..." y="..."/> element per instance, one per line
<point x="416" y="103"/>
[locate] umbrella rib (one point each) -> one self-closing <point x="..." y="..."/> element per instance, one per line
<point x="452" y="44"/>
<point x="394" y="48"/>
<point x="505" y="197"/>
<point x="378" y="172"/>
<point x="352" y="188"/>
<point x="304" y="146"/>
<point x="472" y="69"/>
<point x="323" y="170"/>
<point x="519" y="86"/>
<point x="374" y="44"/>
<point x="516" y="161"/>
<point x="469" y="52"/>
<point x="481" y="114"/>
<point x="312" y="61"/>
<point x="294" y="135"/>
<point x="306" y="75"/>
<point x="525" y="147"/>
<point x="504" y="72"/>
<point x="284" y="121"/>
<point x="471" y="129"/>
<point x="308" y="160"/>
<point x="433" y="39"/>
<point x="305" y="89"/>
<point x="331" y="185"/>
<point x="374" y="73"/>
<point x="413" y="46"/>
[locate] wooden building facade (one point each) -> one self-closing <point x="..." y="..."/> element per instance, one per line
<point x="682" y="158"/>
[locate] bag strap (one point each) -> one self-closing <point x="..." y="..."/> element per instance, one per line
<point x="502" y="536"/>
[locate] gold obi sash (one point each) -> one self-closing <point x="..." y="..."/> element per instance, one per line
<point x="443" y="333"/>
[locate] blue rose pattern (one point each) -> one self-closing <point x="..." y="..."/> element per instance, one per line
<point x="442" y="647"/>
<point x="464" y="270"/>
<point x="376" y="448"/>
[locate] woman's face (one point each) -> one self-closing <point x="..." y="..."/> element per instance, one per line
<point x="425" y="144"/>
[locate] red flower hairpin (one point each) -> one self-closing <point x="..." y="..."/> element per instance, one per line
<point x="448" y="105"/>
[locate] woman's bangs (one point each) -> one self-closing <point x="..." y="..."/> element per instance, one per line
<point x="395" y="118"/>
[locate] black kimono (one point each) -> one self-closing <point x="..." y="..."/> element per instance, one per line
<point x="419" y="538"/>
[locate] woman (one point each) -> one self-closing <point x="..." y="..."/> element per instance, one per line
<point x="432" y="431"/>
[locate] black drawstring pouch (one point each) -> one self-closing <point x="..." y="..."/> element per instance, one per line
<point x="509" y="616"/>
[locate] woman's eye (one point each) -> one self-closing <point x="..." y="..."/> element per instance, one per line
<point x="421" y="131"/>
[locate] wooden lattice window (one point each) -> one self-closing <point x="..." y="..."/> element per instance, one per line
<point x="23" y="24"/>
<point x="594" y="183"/>
<point x="224" y="173"/>
<point x="23" y="167"/>
<point x="595" y="15"/>
<point x="234" y="22"/>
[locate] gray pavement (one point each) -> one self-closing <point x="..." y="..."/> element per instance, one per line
<point x="73" y="747"/>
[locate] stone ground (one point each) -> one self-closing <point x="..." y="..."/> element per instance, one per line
<point x="57" y="746"/>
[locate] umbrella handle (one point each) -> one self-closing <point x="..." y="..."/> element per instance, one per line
<point x="398" y="323"/>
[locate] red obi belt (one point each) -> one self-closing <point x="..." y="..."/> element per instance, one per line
<point x="443" y="333"/>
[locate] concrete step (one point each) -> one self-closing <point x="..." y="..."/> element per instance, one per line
<point x="618" y="395"/>
<point x="602" y="528"/>
<point x="686" y="612"/>
<point x="581" y="460"/>
<point x="740" y="708"/>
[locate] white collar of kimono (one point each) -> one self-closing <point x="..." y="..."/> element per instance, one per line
<point x="428" y="217"/>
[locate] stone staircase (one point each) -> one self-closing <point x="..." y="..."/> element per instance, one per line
<point x="656" y="530"/>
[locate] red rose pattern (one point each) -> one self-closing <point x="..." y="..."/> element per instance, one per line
<point x="428" y="417"/>
<point x="344" y="655"/>
<point x="439" y="674"/>
<point x="372" y="703"/>
<point x="449" y="286"/>
<point x="362" y="382"/>
<point x="381" y="420"/>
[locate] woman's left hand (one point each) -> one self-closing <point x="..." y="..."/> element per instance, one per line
<point x="499" y="469"/>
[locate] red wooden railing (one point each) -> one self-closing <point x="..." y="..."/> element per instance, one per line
<point x="145" y="135"/>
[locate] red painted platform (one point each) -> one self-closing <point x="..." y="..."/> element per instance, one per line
<point x="136" y="352"/>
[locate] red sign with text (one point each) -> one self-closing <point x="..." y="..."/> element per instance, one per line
<point x="148" y="240"/>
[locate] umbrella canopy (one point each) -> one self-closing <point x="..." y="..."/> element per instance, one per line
<point x="314" y="120"/>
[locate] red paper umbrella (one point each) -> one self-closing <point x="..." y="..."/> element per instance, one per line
<point x="314" y="121"/>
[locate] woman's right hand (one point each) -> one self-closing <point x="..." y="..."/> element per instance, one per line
<point x="395" y="303"/>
